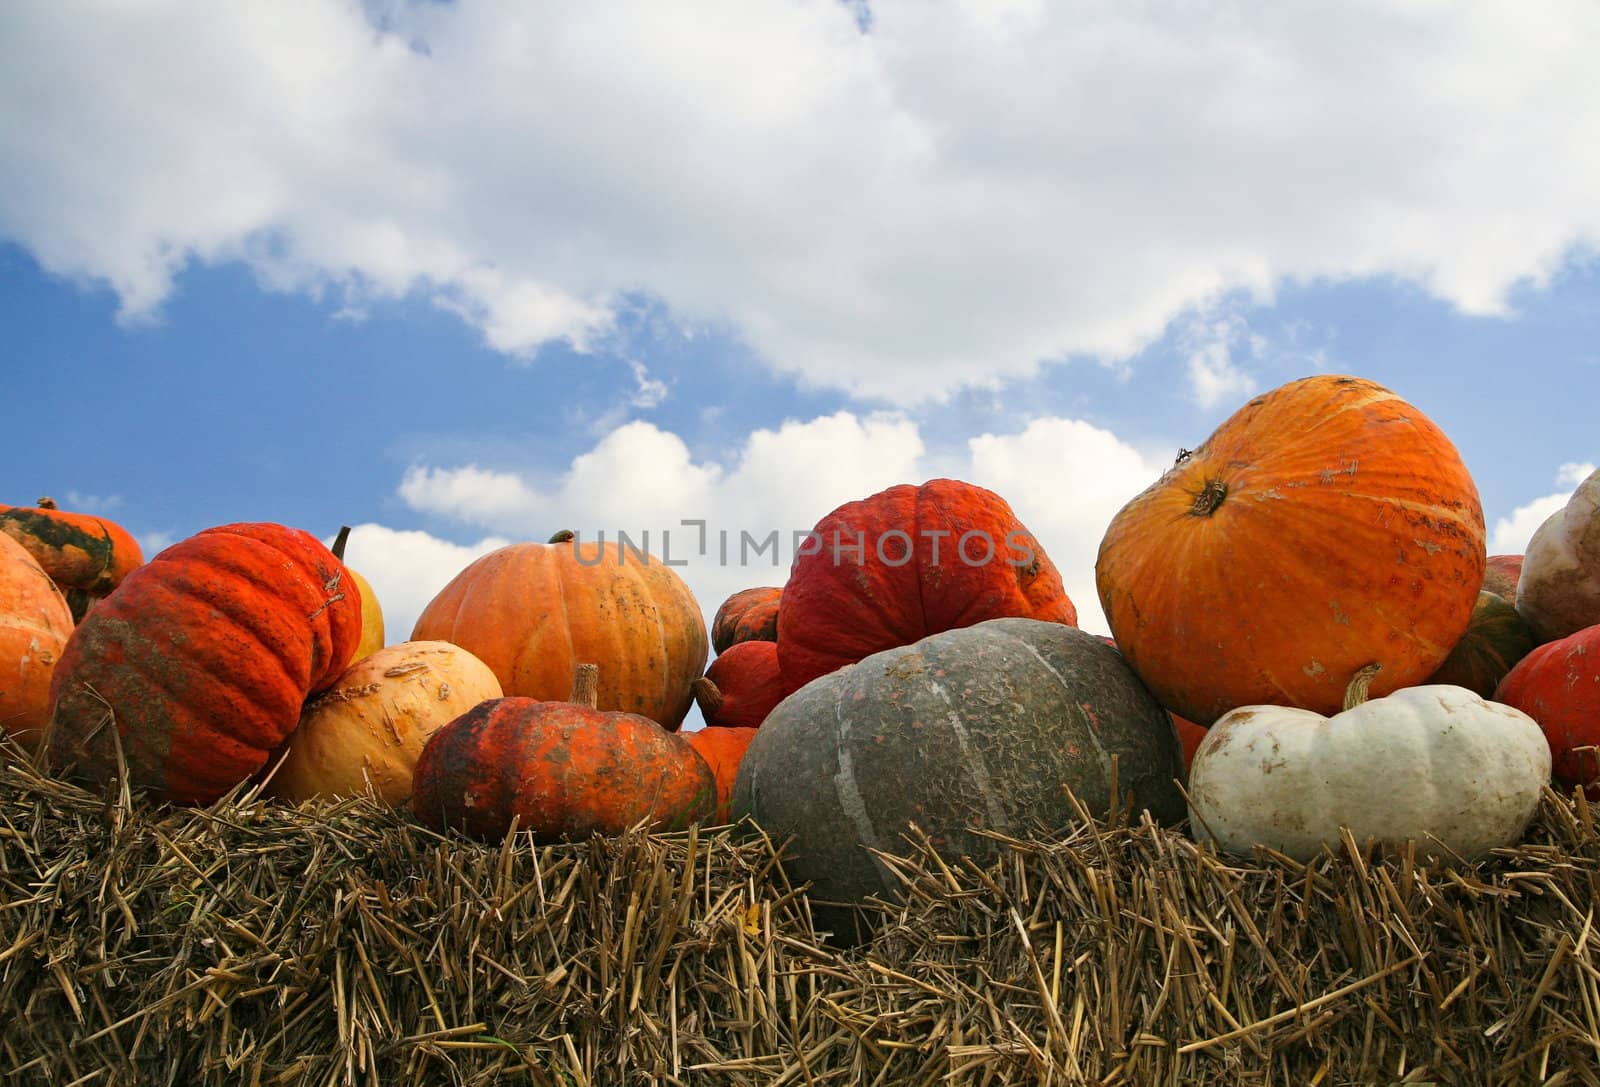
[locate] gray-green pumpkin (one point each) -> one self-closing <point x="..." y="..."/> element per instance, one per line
<point x="983" y="727"/>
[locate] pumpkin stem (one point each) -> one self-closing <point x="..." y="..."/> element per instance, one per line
<point x="564" y="536"/>
<point x="586" y="685"/>
<point x="707" y="694"/>
<point x="46" y="503"/>
<point x="339" y="541"/>
<point x="1356" y="693"/>
<point x="1209" y="498"/>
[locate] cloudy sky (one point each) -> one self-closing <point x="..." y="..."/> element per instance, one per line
<point x="465" y="273"/>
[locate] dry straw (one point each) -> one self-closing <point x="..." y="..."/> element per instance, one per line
<point x="342" y="943"/>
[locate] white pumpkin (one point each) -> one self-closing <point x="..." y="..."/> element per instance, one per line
<point x="1558" y="592"/>
<point x="1435" y="764"/>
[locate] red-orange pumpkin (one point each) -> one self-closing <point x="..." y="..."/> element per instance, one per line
<point x="1558" y="685"/>
<point x="86" y="556"/>
<point x="561" y="770"/>
<point x="532" y="612"/>
<point x="722" y="748"/>
<point x="34" y="627"/>
<point x="749" y="615"/>
<point x="741" y="686"/>
<point x="1327" y="525"/>
<point x="1500" y="576"/>
<point x="196" y="666"/>
<point x="905" y="563"/>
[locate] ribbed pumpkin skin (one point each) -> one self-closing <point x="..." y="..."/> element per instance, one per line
<point x="1325" y="526"/>
<point x="1558" y="685"/>
<point x="978" y="727"/>
<point x="86" y="556"/>
<point x="723" y="749"/>
<point x="749" y="615"/>
<point x="1497" y="638"/>
<point x="373" y="722"/>
<point x="34" y="627"/>
<point x="839" y="607"/>
<point x="204" y="655"/>
<point x="531" y="612"/>
<point x="562" y="770"/>
<point x="748" y="679"/>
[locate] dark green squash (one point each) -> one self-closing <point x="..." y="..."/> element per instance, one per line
<point x="1497" y="638"/>
<point x="978" y="728"/>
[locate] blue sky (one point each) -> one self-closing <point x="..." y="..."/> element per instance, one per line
<point x="457" y="274"/>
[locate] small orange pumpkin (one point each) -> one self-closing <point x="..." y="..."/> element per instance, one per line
<point x="34" y="627"/>
<point x="532" y="612"/>
<point x="748" y="615"/>
<point x="741" y="686"/>
<point x="722" y="748"/>
<point x="86" y="556"/>
<point x="1327" y="525"/>
<point x="560" y="770"/>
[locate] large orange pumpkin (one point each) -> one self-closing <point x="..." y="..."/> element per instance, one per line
<point x="34" y="627"/>
<point x="905" y="563"/>
<point x="1327" y="525"/>
<point x="86" y="556"/>
<point x="194" y="669"/>
<point x="532" y="612"/>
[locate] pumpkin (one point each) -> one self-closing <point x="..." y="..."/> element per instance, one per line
<point x="1325" y="525"/>
<point x="741" y="686"/>
<point x="1558" y="685"/>
<point x="370" y="726"/>
<point x="1497" y="638"/>
<point x="980" y="728"/>
<point x="194" y="669"/>
<point x="748" y="615"/>
<point x="34" y="626"/>
<point x="532" y="612"/>
<point x="86" y="556"/>
<point x="560" y="770"/>
<point x="905" y="563"/>
<point x="723" y="749"/>
<point x="372" y="635"/>
<point x="1500" y="576"/>
<point x="1558" y="592"/>
<point x="1433" y="764"/>
<point x="1189" y="733"/>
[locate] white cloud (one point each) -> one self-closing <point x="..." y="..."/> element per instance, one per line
<point x="1215" y="377"/>
<point x="472" y="494"/>
<point x="1510" y="535"/>
<point x="947" y="199"/>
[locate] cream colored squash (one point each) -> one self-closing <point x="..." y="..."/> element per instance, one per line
<point x="1435" y="764"/>
<point x="1558" y="592"/>
<point x="373" y="722"/>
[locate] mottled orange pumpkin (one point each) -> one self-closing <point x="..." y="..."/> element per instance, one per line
<point x="749" y="615"/>
<point x="741" y="686"/>
<point x="905" y="563"/>
<point x="532" y="612"/>
<point x="1327" y="525"/>
<point x="34" y="627"/>
<point x="86" y="556"/>
<point x="722" y="748"/>
<point x="560" y="770"/>
<point x="196" y="666"/>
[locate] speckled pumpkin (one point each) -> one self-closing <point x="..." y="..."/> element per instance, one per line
<point x="906" y="563"/>
<point x="741" y="686"/>
<point x="86" y="556"/>
<point x="371" y="725"/>
<point x="749" y="615"/>
<point x="1325" y="526"/>
<point x="34" y="627"/>
<point x="532" y="612"/>
<point x="197" y="665"/>
<point x="560" y="770"/>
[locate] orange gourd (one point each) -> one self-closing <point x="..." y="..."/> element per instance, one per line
<point x="532" y="612"/>
<point x="34" y="626"/>
<point x="748" y="615"/>
<point x="722" y="747"/>
<point x="1326" y="526"/>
